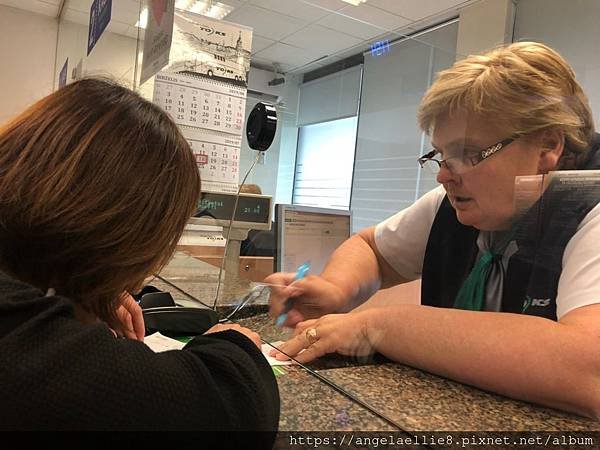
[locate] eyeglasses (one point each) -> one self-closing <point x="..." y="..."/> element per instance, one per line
<point x="460" y="164"/>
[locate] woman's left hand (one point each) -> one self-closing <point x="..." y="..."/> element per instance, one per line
<point x="341" y="333"/>
<point x="130" y="319"/>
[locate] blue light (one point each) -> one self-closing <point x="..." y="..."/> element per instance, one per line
<point x="380" y="48"/>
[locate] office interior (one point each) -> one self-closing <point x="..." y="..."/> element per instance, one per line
<point x="346" y="78"/>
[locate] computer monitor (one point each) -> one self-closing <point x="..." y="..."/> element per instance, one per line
<point x="308" y="234"/>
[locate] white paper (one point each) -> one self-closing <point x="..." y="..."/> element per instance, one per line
<point x="159" y="343"/>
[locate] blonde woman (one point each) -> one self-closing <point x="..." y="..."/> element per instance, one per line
<point x="507" y="305"/>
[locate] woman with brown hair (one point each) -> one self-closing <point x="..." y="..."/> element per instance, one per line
<point x="96" y="186"/>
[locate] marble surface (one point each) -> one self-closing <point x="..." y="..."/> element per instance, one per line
<point x="308" y="404"/>
<point x="416" y="400"/>
<point x="411" y="399"/>
<point x="419" y="401"/>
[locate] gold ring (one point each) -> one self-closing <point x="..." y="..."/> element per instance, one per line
<point x="311" y="336"/>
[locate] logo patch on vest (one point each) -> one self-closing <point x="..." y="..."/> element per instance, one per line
<point x="541" y="302"/>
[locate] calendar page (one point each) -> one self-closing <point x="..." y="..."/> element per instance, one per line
<point x="218" y="158"/>
<point x="201" y="102"/>
<point x="210" y="114"/>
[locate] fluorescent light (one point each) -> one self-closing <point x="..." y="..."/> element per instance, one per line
<point x="208" y="8"/>
<point x="354" y="2"/>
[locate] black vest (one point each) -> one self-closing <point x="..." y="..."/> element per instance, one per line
<point x="531" y="278"/>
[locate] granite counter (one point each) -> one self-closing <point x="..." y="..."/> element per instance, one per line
<point x="343" y="393"/>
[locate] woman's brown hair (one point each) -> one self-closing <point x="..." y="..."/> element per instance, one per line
<point x="96" y="186"/>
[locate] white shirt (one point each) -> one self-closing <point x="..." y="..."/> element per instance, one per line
<point x="402" y="238"/>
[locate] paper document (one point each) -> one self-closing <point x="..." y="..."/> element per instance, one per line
<point x="159" y="343"/>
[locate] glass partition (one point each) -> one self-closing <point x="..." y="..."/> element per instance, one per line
<point x="397" y="69"/>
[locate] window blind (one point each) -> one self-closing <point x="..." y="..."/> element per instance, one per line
<point x="335" y="96"/>
<point x="387" y="177"/>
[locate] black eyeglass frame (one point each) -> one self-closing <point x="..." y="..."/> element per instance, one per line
<point x="474" y="160"/>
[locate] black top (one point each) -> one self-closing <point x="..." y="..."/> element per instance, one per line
<point x="59" y="374"/>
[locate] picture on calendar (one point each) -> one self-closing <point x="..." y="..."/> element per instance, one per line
<point x="210" y="48"/>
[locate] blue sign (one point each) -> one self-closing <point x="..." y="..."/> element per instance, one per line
<point x="62" y="77"/>
<point x="99" y="17"/>
<point x="380" y="47"/>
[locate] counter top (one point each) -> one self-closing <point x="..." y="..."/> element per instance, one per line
<point x="411" y="399"/>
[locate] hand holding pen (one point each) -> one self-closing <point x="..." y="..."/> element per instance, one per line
<point x="300" y="297"/>
<point x="289" y="303"/>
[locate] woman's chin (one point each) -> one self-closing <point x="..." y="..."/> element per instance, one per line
<point x="476" y="221"/>
<point x="467" y="219"/>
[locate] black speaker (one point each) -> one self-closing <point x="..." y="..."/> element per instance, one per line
<point x="261" y="126"/>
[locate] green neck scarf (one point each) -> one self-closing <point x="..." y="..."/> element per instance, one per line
<point x="472" y="293"/>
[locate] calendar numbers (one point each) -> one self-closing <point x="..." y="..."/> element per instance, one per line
<point x="210" y="114"/>
<point x="198" y="102"/>
<point x="217" y="157"/>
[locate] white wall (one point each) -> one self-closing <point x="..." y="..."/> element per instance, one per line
<point x="27" y="48"/>
<point x="258" y="80"/>
<point x="112" y="56"/>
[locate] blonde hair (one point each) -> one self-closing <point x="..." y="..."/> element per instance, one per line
<point x="526" y="87"/>
<point x="250" y="189"/>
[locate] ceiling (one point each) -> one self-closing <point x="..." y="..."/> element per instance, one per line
<point x="297" y="35"/>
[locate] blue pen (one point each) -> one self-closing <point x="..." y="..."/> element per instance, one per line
<point x="289" y="303"/>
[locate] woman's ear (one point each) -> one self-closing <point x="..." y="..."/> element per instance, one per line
<point x="551" y="145"/>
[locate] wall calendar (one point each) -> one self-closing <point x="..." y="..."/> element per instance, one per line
<point x="210" y="115"/>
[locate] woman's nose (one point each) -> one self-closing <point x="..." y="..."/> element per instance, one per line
<point x="445" y="175"/>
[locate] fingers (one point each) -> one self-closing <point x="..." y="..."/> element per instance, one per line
<point x="314" y="351"/>
<point x="128" y="327"/>
<point x="332" y="333"/>
<point x="301" y="327"/>
<point x="253" y="336"/>
<point x="280" y="278"/>
<point x="121" y="325"/>
<point x="136" y="317"/>
<point x="293" y="318"/>
<point x="139" y="327"/>
<point x="131" y="318"/>
<point x="290" y="348"/>
<point x="215" y="329"/>
<point x="279" y="291"/>
<point x="299" y="332"/>
<point x="302" y="348"/>
<point x="279" y="302"/>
